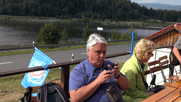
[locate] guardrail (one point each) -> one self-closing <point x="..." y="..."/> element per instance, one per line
<point x="65" y="69"/>
<point x="52" y="46"/>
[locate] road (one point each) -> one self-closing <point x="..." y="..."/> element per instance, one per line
<point x="14" y="62"/>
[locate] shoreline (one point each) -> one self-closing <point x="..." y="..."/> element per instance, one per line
<point x="108" y="22"/>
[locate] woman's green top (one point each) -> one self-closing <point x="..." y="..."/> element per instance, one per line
<point x="134" y="72"/>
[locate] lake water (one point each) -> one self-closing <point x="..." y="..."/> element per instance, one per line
<point x="13" y="33"/>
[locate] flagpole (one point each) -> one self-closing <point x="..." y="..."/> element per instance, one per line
<point x="54" y="62"/>
<point x="35" y="48"/>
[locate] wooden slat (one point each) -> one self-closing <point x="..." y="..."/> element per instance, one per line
<point x="171" y="78"/>
<point x="164" y="62"/>
<point x="154" y="63"/>
<point x="177" y="100"/>
<point x="172" y="42"/>
<point x="168" y="39"/>
<point x="176" y="84"/>
<point x="166" y="36"/>
<point x="179" y="87"/>
<point x="176" y="78"/>
<point x="160" y="95"/>
<point x="65" y="78"/>
<point x="166" y="84"/>
<point x="163" y="57"/>
<point x="154" y="69"/>
<point x="171" y="97"/>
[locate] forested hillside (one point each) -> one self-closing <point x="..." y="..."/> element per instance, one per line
<point x="93" y="9"/>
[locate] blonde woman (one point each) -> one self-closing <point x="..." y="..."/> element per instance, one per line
<point x="133" y="70"/>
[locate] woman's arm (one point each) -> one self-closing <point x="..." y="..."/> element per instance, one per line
<point x="177" y="53"/>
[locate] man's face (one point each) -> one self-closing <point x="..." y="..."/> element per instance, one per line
<point x="97" y="55"/>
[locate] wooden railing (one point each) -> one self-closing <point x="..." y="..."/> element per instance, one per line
<point x="65" y="69"/>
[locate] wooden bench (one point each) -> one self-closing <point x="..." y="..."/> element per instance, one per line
<point x="170" y="94"/>
<point x="170" y="97"/>
<point x="35" y="90"/>
<point x="160" y="95"/>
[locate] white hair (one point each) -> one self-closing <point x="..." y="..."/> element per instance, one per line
<point x="94" y="39"/>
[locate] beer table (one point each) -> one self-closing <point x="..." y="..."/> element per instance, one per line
<point x="171" y="93"/>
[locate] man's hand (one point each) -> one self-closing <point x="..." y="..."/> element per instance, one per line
<point x="122" y="81"/>
<point x="115" y="70"/>
<point x="106" y="74"/>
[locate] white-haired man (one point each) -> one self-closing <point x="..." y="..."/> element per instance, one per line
<point x="90" y="79"/>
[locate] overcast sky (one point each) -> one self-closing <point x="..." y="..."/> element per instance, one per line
<point x="169" y="2"/>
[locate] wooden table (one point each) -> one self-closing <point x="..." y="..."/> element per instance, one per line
<point x="170" y="94"/>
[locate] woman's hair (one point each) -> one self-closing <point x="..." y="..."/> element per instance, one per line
<point x="143" y="47"/>
<point x="94" y="39"/>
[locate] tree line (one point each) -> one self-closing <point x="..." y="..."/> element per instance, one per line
<point x="123" y="10"/>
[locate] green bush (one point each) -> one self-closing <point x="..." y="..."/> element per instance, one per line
<point x="86" y="33"/>
<point x="115" y="35"/>
<point x="125" y="36"/>
<point x="64" y="35"/>
<point x="48" y="34"/>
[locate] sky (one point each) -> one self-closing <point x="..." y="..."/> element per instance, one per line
<point x="169" y="2"/>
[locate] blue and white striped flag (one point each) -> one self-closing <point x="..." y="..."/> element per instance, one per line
<point x="37" y="78"/>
